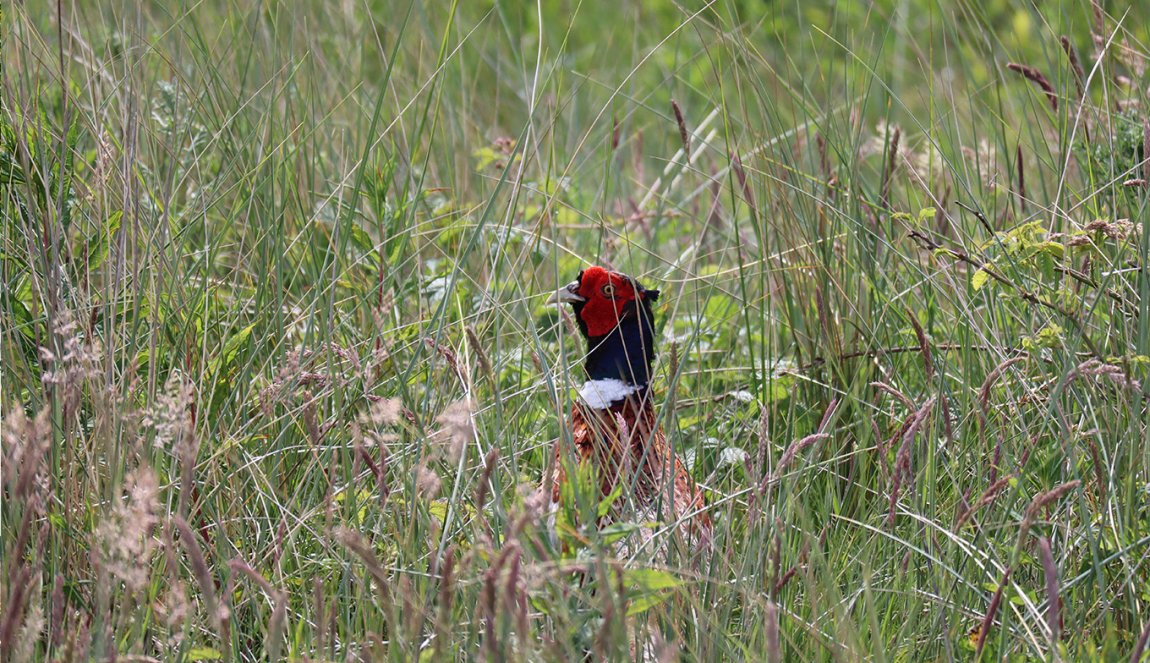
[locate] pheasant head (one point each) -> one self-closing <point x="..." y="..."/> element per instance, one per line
<point x="614" y="315"/>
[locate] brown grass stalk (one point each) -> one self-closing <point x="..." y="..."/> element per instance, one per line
<point x="992" y="378"/>
<point x="1044" y="499"/>
<point x="988" y="496"/>
<point x="774" y="651"/>
<point x="887" y="389"/>
<point x="362" y="549"/>
<point x="279" y="607"/>
<point x="684" y="135"/>
<point x="744" y="184"/>
<point x="200" y="570"/>
<point x="902" y="470"/>
<point x="1034" y="76"/>
<point x="991" y="612"/>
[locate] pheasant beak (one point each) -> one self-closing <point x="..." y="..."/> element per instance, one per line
<point x="568" y="294"/>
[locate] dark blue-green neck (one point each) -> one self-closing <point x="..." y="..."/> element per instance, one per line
<point x="627" y="353"/>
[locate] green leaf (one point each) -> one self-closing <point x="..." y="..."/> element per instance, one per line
<point x="233" y="344"/>
<point x="616" y="532"/>
<point x="607" y="501"/>
<point x="652" y="586"/>
<point x="650" y="580"/>
<point x="979" y="279"/>
<point x="645" y="603"/>
<point x="204" y="654"/>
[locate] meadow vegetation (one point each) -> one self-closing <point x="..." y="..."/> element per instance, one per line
<point x="278" y="379"/>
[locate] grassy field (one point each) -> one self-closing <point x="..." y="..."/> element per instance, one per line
<point x="279" y="381"/>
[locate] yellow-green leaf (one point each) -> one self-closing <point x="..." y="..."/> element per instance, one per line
<point x="979" y="279"/>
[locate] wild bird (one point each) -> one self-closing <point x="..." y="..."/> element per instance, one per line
<point x="613" y="423"/>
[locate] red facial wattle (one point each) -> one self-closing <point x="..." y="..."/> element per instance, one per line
<point x="607" y="296"/>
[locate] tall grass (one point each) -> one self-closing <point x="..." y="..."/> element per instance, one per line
<point x="279" y="382"/>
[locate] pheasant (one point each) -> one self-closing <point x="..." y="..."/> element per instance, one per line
<point x="613" y="422"/>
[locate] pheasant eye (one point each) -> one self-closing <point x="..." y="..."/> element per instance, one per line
<point x="609" y="290"/>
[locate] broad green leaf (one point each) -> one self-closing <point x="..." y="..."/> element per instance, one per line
<point x="651" y="580"/>
<point x="979" y="279"/>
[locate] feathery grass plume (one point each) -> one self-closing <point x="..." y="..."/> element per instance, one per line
<point x="991" y="612"/>
<point x="480" y="354"/>
<point x="427" y="482"/>
<point x="14" y="613"/>
<point x="218" y="614"/>
<point x="1034" y="76"/>
<point x="56" y="620"/>
<point x="902" y="470"/>
<point x="452" y="360"/>
<point x="515" y="593"/>
<point x="1044" y="499"/>
<point x="1053" y="602"/>
<point x="792" y="450"/>
<point x="23" y="646"/>
<point x="25" y="444"/>
<point x="1099" y="469"/>
<point x="311" y="419"/>
<point x="456" y="429"/>
<point x="172" y="606"/>
<point x="901" y="397"/>
<point x="278" y="598"/>
<point x="923" y="345"/>
<point x="170" y="416"/>
<point x="801" y="444"/>
<point x="774" y="651"/>
<point x="362" y="549"/>
<point x="988" y="384"/>
<point x="831" y="408"/>
<point x="73" y="362"/>
<point x="684" y="135"/>
<point x="384" y="412"/>
<point x="776" y="558"/>
<point x="988" y="496"/>
<point x="488" y="598"/>
<point x="371" y="430"/>
<point x="125" y="535"/>
<point x="1075" y="63"/>
<point x="171" y="419"/>
<point x="763" y="438"/>
<point x="1099" y="370"/>
<point x="484" y="485"/>
<point x="744" y="183"/>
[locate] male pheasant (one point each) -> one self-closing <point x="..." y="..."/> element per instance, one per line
<point x="613" y="423"/>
